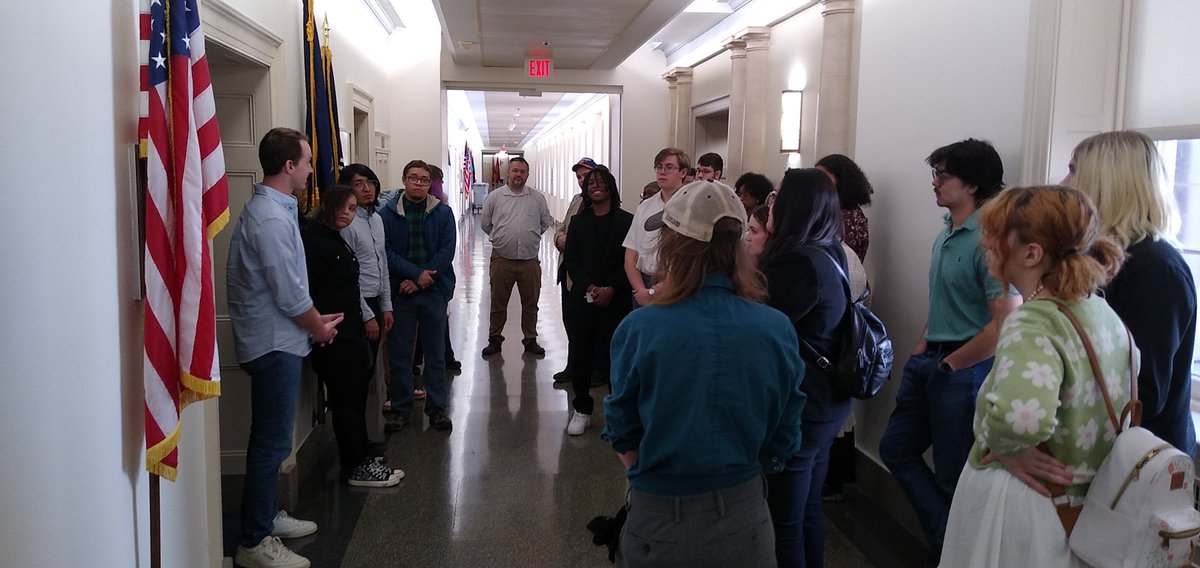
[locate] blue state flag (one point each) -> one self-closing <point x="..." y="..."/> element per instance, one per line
<point x="321" y="122"/>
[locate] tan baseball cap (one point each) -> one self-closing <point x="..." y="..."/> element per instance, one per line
<point x="697" y="206"/>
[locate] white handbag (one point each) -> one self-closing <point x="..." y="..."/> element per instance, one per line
<point x="1139" y="511"/>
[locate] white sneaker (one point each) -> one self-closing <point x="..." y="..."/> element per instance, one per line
<point x="287" y="526"/>
<point x="579" y="422"/>
<point x="270" y="553"/>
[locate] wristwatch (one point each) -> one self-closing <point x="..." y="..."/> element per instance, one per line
<point x="945" y="367"/>
<point x="650" y="291"/>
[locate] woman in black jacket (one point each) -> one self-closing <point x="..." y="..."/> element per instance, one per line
<point x="801" y="261"/>
<point x="595" y="302"/>
<point x="342" y="364"/>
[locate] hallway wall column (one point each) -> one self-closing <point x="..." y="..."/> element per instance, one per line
<point x="833" y="104"/>
<point x="747" y="100"/>
<point x="737" y="106"/>
<point x="679" y="87"/>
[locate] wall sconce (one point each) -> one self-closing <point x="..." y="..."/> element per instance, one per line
<point x="791" y="105"/>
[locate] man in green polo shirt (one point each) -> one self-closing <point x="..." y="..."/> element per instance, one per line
<point x="936" y="401"/>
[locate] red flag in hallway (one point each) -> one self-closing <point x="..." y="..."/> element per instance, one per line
<point x="187" y="203"/>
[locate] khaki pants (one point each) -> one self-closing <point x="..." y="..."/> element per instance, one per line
<point x="527" y="275"/>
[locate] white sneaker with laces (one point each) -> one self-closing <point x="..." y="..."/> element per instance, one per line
<point x="287" y="526"/>
<point x="579" y="422"/>
<point x="270" y="553"/>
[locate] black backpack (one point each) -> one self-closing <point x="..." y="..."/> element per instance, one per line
<point x="863" y="361"/>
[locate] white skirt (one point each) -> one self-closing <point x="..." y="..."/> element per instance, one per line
<point x="997" y="521"/>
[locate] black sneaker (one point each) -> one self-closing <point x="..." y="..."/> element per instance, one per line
<point x="453" y="365"/>
<point x="493" y="347"/>
<point x="563" y="376"/>
<point x="370" y="474"/>
<point x="532" y="347"/>
<point x="396" y="423"/>
<point x="439" y="420"/>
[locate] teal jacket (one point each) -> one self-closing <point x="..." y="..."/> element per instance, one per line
<point x="707" y="390"/>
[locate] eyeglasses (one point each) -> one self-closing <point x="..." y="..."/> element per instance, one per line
<point x="361" y="183"/>
<point x="666" y="168"/>
<point x="418" y="180"/>
<point x="941" y="175"/>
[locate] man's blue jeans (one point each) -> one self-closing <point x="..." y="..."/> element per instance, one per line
<point x="427" y="309"/>
<point x="933" y="409"/>
<point x="274" y="389"/>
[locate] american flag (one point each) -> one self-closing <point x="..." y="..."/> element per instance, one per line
<point x="187" y="203"/>
<point x="468" y="177"/>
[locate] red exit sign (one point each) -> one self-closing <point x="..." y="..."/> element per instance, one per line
<point x="538" y="67"/>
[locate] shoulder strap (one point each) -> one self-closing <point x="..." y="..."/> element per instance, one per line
<point x="1134" y="406"/>
<point x="841" y="272"/>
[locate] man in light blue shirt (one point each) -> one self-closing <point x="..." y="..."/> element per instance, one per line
<point x="273" y="323"/>
<point x="365" y="237"/>
<point x="515" y="216"/>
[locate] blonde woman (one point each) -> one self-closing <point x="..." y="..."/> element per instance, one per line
<point x="1154" y="293"/>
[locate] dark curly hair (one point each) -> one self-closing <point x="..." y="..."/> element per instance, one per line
<point x="332" y="200"/>
<point x="757" y="185"/>
<point x="853" y="187"/>
<point x="609" y="181"/>
<point x="975" y="162"/>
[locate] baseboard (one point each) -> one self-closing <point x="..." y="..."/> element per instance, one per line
<point x="312" y="456"/>
<point x="877" y="519"/>
<point x="878" y="484"/>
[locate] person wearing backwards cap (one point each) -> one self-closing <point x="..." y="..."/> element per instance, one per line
<point x="706" y="395"/>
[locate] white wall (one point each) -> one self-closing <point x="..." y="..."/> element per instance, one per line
<point x="710" y="79"/>
<point x="1087" y="76"/>
<point x="642" y="116"/>
<point x="931" y="72"/>
<point x="72" y="482"/>
<point x="458" y="112"/>
<point x="795" y="64"/>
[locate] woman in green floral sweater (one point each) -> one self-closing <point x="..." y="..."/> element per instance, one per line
<point x="1046" y="242"/>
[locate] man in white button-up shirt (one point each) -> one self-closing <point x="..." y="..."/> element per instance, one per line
<point x="515" y="216"/>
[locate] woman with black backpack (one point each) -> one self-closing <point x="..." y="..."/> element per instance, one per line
<point x="804" y="262"/>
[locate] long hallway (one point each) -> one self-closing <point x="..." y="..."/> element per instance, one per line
<point x="506" y="487"/>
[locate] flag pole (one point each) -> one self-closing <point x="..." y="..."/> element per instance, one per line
<point x="155" y="523"/>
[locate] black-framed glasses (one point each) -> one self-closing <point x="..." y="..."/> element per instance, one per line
<point x="419" y="180"/>
<point x="941" y="174"/>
